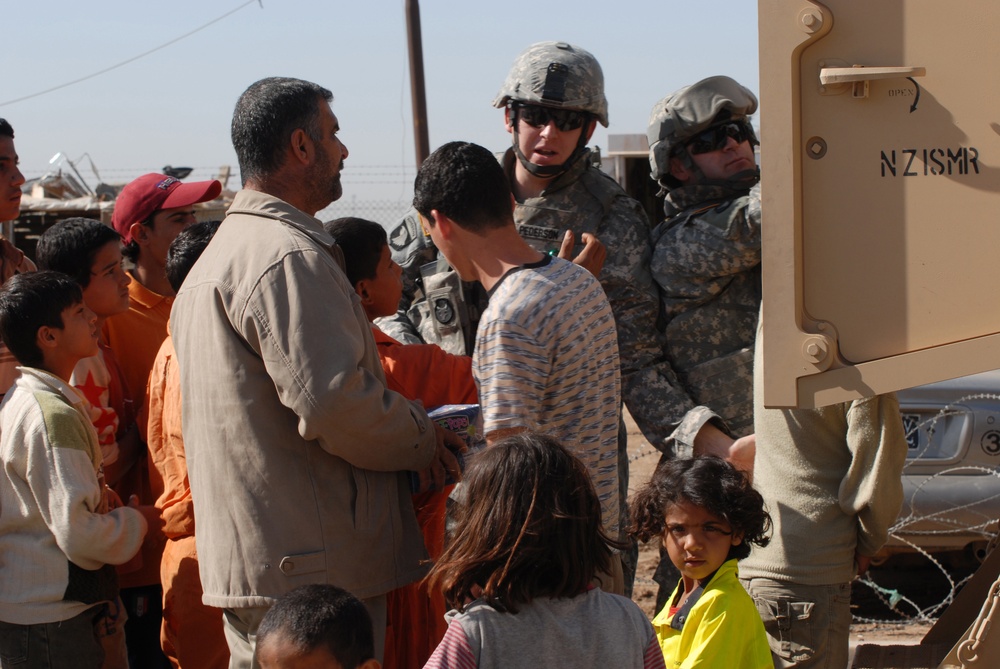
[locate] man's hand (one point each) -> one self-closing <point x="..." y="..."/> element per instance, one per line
<point x="740" y="452"/>
<point x="863" y="562"/>
<point x="111" y="500"/>
<point x="592" y="256"/>
<point x="444" y="461"/>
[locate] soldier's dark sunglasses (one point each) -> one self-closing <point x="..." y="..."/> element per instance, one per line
<point x="716" y="137"/>
<point x="537" y="116"/>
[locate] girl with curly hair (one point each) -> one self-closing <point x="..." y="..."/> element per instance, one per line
<point x="707" y="515"/>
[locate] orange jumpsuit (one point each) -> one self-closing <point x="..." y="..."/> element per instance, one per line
<point x="192" y="634"/>
<point x="415" y="618"/>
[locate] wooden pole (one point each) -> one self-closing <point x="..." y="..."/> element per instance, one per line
<point x="417" y="92"/>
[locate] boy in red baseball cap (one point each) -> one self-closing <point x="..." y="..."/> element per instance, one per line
<point x="149" y="213"/>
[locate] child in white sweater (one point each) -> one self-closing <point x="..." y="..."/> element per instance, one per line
<point x="58" y="532"/>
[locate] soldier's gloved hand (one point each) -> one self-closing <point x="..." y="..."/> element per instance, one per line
<point x="591" y="258"/>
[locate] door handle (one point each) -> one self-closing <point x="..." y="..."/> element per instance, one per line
<point x="859" y="73"/>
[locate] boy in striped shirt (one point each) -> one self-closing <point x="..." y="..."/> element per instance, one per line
<point x="546" y="353"/>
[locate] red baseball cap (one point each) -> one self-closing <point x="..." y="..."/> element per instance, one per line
<point x="152" y="192"/>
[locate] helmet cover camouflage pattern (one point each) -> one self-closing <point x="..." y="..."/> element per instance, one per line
<point x="556" y="74"/>
<point x="690" y="110"/>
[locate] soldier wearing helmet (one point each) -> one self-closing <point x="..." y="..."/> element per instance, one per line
<point x="553" y="99"/>
<point x="706" y="259"/>
<point x="552" y="89"/>
<point x="706" y="263"/>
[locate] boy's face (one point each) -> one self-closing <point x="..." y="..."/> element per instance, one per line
<point x="386" y="289"/>
<point x="451" y="252"/>
<point x="697" y="540"/>
<point x="279" y="652"/>
<point x="107" y="292"/>
<point x="77" y="339"/>
<point x="11" y="180"/>
<point x="167" y="224"/>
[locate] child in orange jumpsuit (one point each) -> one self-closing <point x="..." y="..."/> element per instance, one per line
<point x="415" y="617"/>
<point x="191" y="634"/>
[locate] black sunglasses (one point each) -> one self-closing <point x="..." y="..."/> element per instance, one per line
<point x="716" y="137"/>
<point x="537" y="116"/>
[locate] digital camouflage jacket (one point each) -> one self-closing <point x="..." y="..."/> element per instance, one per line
<point x="706" y="262"/>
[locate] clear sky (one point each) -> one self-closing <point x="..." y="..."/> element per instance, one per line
<point x="174" y="106"/>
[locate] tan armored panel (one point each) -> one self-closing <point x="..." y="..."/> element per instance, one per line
<point x="880" y="131"/>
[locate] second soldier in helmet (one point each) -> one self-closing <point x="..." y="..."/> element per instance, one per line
<point x="706" y="260"/>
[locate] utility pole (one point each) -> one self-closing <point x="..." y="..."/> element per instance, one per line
<point x="417" y="92"/>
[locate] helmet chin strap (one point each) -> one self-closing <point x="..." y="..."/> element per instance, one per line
<point x="744" y="180"/>
<point x="549" y="171"/>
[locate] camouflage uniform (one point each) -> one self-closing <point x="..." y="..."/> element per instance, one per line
<point x="706" y="261"/>
<point x="437" y="307"/>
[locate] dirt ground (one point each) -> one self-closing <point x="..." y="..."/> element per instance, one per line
<point x="643" y="458"/>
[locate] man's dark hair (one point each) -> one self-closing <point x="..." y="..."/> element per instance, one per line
<point x="71" y="245"/>
<point x="362" y="242"/>
<point x="6" y="130"/>
<point x="29" y="301"/>
<point x="186" y="249"/>
<point x="313" y="615"/>
<point x="711" y="483"/>
<point x="466" y="183"/>
<point x="265" y="117"/>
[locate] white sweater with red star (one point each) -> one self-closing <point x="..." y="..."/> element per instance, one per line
<point x="56" y="534"/>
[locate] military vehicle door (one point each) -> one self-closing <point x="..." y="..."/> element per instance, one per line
<point x="880" y="131"/>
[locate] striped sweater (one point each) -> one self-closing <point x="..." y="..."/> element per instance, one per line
<point x="546" y="359"/>
<point x="56" y="534"/>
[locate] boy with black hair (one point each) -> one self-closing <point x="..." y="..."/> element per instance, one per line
<point x="90" y="252"/>
<point x="425" y="372"/>
<point x="149" y="213"/>
<point x="317" y="626"/>
<point x="58" y="532"/>
<point x="185" y="250"/>
<point x="416" y="371"/>
<point x="546" y="353"/>
<point x="191" y="635"/>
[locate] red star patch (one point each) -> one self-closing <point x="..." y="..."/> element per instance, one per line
<point x="91" y="390"/>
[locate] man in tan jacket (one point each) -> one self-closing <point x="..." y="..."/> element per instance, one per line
<point x="296" y="450"/>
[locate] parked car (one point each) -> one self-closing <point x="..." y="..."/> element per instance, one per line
<point x="951" y="482"/>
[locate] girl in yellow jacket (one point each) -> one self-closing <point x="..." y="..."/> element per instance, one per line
<point x="707" y="515"/>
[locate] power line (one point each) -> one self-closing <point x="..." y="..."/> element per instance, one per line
<point x="133" y="58"/>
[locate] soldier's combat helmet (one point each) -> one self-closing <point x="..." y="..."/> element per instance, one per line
<point x="557" y="75"/>
<point x="691" y="110"/>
